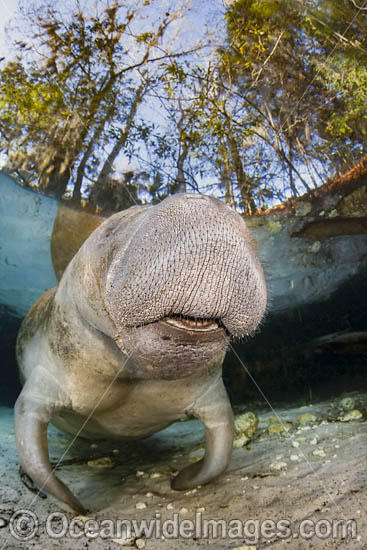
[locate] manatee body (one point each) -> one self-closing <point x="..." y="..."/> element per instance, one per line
<point x="136" y="332"/>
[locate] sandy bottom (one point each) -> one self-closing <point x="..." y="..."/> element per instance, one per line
<point x="315" y="472"/>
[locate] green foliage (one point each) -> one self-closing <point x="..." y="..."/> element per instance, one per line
<point x="348" y="79"/>
<point x="300" y="68"/>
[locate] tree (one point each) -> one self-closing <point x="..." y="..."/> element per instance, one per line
<point x="300" y="71"/>
<point x="271" y="111"/>
<point x="72" y="107"/>
<point x="341" y="28"/>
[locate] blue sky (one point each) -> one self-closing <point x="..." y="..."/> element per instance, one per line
<point x="7" y="8"/>
<point x="203" y="11"/>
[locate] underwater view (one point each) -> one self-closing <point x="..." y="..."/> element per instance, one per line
<point x="297" y="386"/>
<point x="183" y="274"/>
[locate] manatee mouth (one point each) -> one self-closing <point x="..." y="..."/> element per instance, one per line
<point x="193" y="324"/>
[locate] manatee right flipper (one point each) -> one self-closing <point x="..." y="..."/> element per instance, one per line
<point x="28" y="482"/>
<point x="41" y="399"/>
<point x="214" y="410"/>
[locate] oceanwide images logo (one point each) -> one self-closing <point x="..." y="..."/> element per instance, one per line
<point x="24" y="525"/>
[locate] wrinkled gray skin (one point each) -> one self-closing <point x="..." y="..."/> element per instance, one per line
<point x="114" y="351"/>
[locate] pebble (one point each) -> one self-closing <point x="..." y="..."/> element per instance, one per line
<point x="170" y="506"/>
<point x="294" y="458"/>
<point x="155" y="474"/>
<point x="278" y="466"/>
<point x="315" y="247"/>
<point x="104" y="462"/>
<point x="140" y="543"/>
<point x="149" y="494"/>
<point x="3" y="523"/>
<point x="313" y="441"/>
<point x="140" y="505"/>
<point x="351" y="415"/>
<point x="319" y="452"/>
<point x="139" y="473"/>
<point x="202" y="509"/>
<point x="295" y="444"/>
<point x="306" y="418"/>
<point x="183" y="510"/>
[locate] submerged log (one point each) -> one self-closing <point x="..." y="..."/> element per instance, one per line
<point x="344" y="343"/>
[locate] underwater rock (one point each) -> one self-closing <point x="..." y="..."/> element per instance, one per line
<point x="351" y="415"/>
<point x="315" y="247"/>
<point x="278" y="465"/>
<point x="347" y="403"/>
<point x="354" y="204"/>
<point x="125" y="540"/>
<point x="245" y="426"/>
<point x="278" y="426"/>
<point x="104" y="462"/>
<point x="319" y="452"/>
<point x="306" y="418"/>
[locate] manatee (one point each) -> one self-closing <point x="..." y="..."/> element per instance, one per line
<point x="135" y="334"/>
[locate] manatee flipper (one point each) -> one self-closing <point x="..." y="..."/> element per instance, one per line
<point x="215" y="411"/>
<point x="28" y="482"/>
<point x="40" y="399"/>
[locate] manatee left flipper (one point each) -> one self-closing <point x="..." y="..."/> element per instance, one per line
<point x="41" y="399"/>
<point x="215" y="411"/>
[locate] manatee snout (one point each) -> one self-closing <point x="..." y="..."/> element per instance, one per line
<point x="191" y="256"/>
